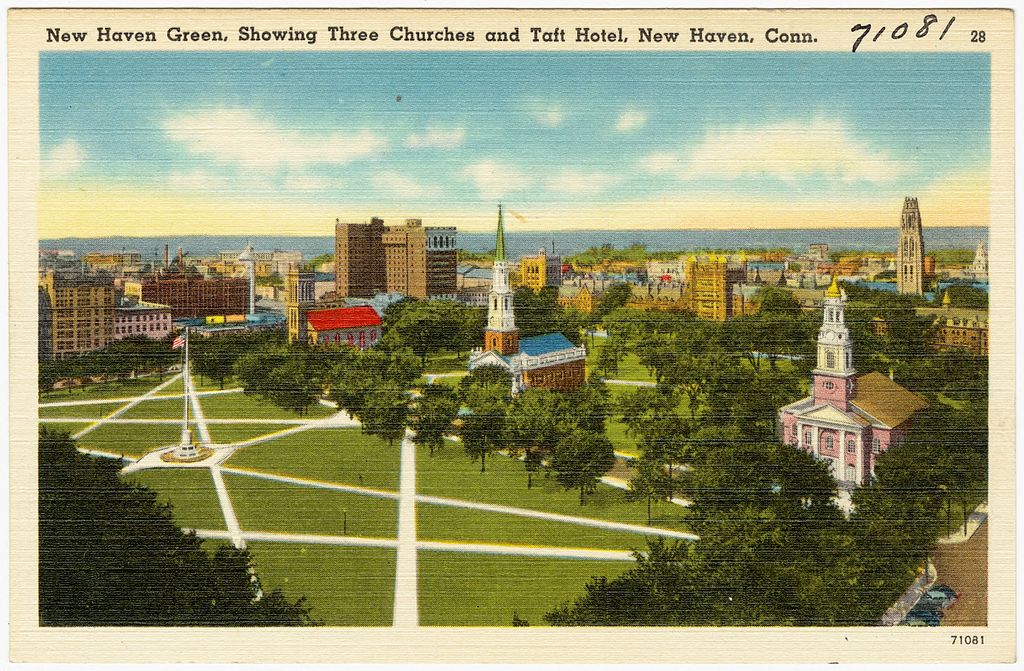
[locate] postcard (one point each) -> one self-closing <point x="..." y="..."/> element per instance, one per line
<point x="512" y="335"/>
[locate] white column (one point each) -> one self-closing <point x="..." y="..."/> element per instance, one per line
<point x="814" y="437"/>
<point x="860" y="459"/>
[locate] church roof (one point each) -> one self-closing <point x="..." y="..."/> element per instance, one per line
<point x="886" y="401"/>
<point x="499" y="248"/>
<point x="833" y="291"/>
<point x="343" y="318"/>
<point x="544" y="344"/>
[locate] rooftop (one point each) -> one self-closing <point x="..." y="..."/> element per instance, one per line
<point x="885" y="400"/>
<point x="544" y="344"/>
<point x="343" y="318"/>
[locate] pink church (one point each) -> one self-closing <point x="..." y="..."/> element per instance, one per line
<point x="848" y="420"/>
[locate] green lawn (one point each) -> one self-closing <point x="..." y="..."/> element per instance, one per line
<point x="450" y="473"/>
<point x="201" y="383"/>
<point x="189" y="490"/>
<point x="132" y="440"/>
<point x="484" y="591"/>
<point x="240" y="406"/>
<point x="98" y="410"/>
<point x="444" y="523"/>
<point x="621" y="440"/>
<point x="237" y="433"/>
<point x="115" y="389"/>
<point x="332" y="455"/>
<point x="446" y="363"/>
<point x="344" y="587"/>
<point x="159" y="409"/>
<point x="264" y="505"/>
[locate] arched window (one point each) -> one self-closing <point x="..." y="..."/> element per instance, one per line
<point x="829" y="442"/>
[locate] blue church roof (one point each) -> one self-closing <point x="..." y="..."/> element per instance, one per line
<point x="544" y="344"/>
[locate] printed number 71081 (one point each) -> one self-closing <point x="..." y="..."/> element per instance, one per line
<point x="959" y="639"/>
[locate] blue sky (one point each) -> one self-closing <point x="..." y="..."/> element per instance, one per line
<point x="549" y="131"/>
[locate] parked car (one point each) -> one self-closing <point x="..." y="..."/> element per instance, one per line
<point x="941" y="596"/>
<point x="923" y="615"/>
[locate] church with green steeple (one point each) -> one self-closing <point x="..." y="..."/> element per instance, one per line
<point x="550" y="360"/>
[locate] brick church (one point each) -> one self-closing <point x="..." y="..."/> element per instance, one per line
<point x="547" y="360"/>
<point x="849" y="419"/>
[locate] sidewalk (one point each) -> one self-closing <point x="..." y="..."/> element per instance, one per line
<point x="899" y="610"/>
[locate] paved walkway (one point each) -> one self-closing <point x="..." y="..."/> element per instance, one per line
<point x="156" y="397"/>
<point x="966" y="531"/>
<point x="630" y="383"/>
<point x="433" y="546"/>
<point x="406" y="604"/>
<point x="125" y="408"/>
<point x="234" y="528"/>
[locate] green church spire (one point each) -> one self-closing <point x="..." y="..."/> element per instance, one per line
<point x="499" y="252"/>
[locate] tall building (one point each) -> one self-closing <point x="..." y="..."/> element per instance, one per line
<point x="80" y="312"/>
<point x="138" y="318"/>
<point x="300" y="287"/>
<point x="549" y="361"/>
<point x="910" y="250"/>
<point x="709" y="286"/>
<point x="359" y="259"/>
<point x="848" y="420"/>
<point x="416" y="261"/>
<point x="537" y="272"/>
<point x="980" y="266"/>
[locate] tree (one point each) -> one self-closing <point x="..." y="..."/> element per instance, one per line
<point x="119" y="560"/>
<point x="535" y="425"/>
<point x="615" y="296"/>
<point x="385" y="412"/>
<point x="436" y="410"/>
<point x="648" y="482"/>
<point x="486" y="393"/>
<point x="580" y="460"/>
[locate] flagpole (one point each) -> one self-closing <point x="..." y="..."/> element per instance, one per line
<point x="185" y="435"/>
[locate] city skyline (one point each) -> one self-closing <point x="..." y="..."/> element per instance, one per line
<point x="280" y="143"/>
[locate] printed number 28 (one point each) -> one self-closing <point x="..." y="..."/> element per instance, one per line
<point x="977" y="36"/>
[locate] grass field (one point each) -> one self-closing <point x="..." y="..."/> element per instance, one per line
<point x="480" y="591"/>
<point x="236" y="433"/>
<point x="450" y="473"/>
<point x="70" y="428"/>
<point x="171" y="408"/>
<point x="98" y="410"/>
<point x="132" y="440"/>
<point x="201" y="384"/>
<point x="344" y="587"/>
<point x="115" y="389"/>
<point x="240" y="406"/>
<point x="264" y="505"/>
<point x="332" y="455"/>
<point x="189" y="490"/>
<point x="444" y="523"/>
<point x="446" y="363"/>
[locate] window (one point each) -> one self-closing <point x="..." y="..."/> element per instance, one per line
<point x="851" y="473"/>
<point x="829" y="442"/>
<point x="876" y="445"/>
<point x="830" y="360"/>
<point x="830" y="385"/>
<point x="807" y="438"/>
<point x="851" y="446"/>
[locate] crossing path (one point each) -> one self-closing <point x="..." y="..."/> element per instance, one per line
<point x="406" y="599"/>
<point x="125" y="399"/>
<point x="125" y="408"/>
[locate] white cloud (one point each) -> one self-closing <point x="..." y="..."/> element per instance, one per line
<point x="441" y="138"/>
<point x="494" y="180"/>
<point x="546" y="113"/>
<point x="630" y="120"/>
<point x="197" y="180"/>
<point x="64" y="159"/>
<point x="240" y="135"/>
<point x="787" y="151"/>
<point x="402" y="185"/>
<point x="577" y="183"/>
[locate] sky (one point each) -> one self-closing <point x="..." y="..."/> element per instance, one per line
<point x="274" y="143"/>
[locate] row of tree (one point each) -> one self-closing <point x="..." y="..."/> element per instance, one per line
<point x="137" y="355"/>
<point x="111" y="555"/>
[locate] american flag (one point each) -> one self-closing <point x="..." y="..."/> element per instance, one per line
<point x="178" y="342"/>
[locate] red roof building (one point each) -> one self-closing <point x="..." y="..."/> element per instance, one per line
<point x="358" y="326"/>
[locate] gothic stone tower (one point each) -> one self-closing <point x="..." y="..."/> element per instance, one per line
<point x="300" y="287"/>
<point x="910" y="250"/>
<point x="834" y="380"/>
<point x="501" y="333"/>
